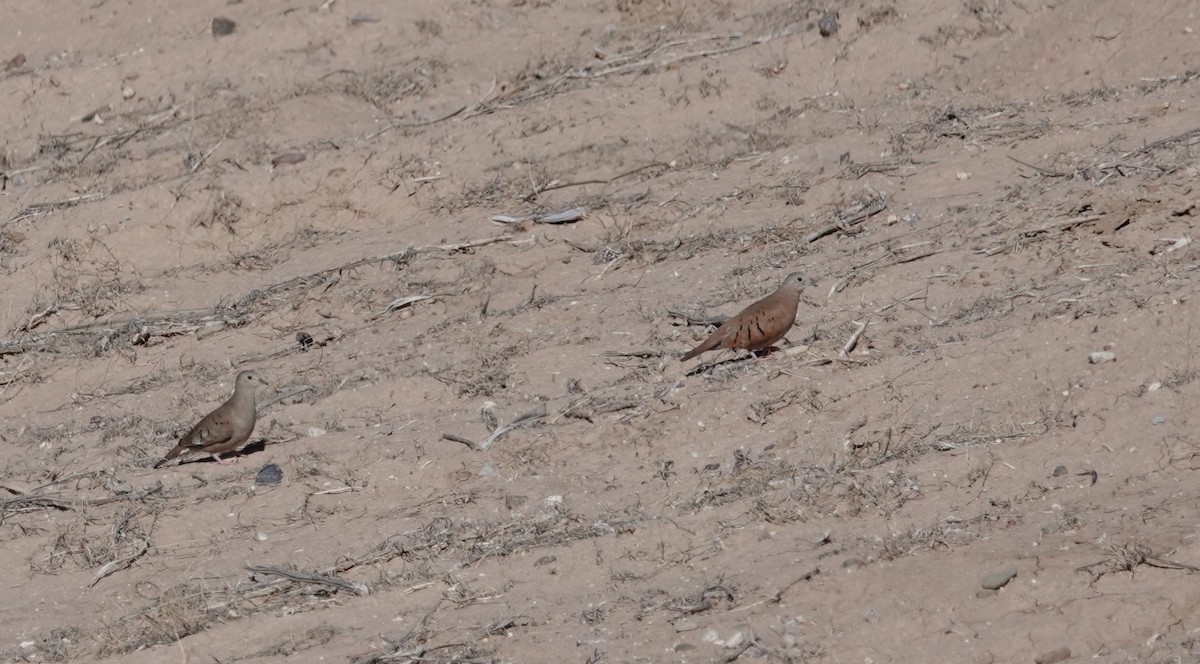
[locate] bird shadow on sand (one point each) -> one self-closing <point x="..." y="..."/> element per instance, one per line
<point x="252" y="448"/>
<point x="741" y="361"/>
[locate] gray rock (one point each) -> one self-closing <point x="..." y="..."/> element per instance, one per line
<point x="828" y="23"/>
<point x="1053" y="656"/>
<point x="685" y="625"/>
<point x="998" y="580"/>
<point x="589" y="639"/>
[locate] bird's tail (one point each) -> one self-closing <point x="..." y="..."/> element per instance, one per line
<point x="708" y="344"/>
<point x="170" y="455"/>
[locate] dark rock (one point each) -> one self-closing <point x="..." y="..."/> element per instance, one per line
<point x="269" y="475"/>
<point x="305" y="339"/>
<point x="223" y="26"/>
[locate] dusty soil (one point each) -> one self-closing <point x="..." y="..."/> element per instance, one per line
<point x="995" y="189"/>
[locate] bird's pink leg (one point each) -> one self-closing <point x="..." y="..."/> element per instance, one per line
<point x="760" y="355"/>
<point x="223" y="462"/>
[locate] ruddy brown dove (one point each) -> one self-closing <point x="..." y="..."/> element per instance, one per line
<point x="759" y="325"/>
<point x="225" y="429"/>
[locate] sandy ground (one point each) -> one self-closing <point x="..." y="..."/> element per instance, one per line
<point x="935" y="467"/>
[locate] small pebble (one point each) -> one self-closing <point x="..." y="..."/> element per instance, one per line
<point x="222" y="26"/>
<point x="260" y="536"/>
<point x="486" y="470"/>
<point x="305" y="340"/>
<point x="1053" y="656"/>
<point x="288" y="158"/>
<point x="1059" y="471"/>
<point x="210" y="328"/>
<point x="998" y="580"/>
<point x="1158" y="419"/>
<point x="828" y="24"/>
<point x="269" y="475"/>
<point x="590" y="639"/>
<point x="1101" y="356"/>
<point x="685" y="625"/>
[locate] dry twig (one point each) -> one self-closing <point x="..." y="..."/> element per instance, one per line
<point x="291" y="575"/>
<point x="501" y="430"/>
<point x="862" y="211"/>
<point x="853" y="340"/>
<point x="140" y="547"/>
<point x="27" y="502"/>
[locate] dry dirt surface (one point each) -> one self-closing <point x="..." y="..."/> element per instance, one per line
<point x="466" y="243"/>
